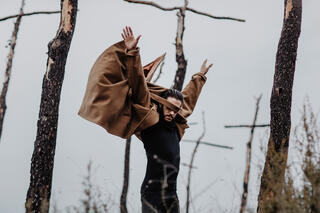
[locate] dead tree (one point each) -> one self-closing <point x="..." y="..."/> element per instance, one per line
<point x="13" y="41"/>
<point x="280" y="105"/>
<point x="248" y="160"/>
<point x="38" y="195"/>
<point x="123" y="198"/>
<point x="248" y="156"/>
<point x="191" y="162"/>
<point x="182" y="62"/>
<point x="4" y="90"/>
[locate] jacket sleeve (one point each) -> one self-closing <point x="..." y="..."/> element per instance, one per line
<point x="136" y="79"/>
<point x="191" y="93"/>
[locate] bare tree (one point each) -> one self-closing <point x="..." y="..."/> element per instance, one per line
<point x="123" y="198"/>
<point x="38" y="196"/>
<point x="280" y="105"/>
<point x="191" y="163"/>
<point x="182" y="62"/>
<point x="248" y="156"/>
<point x="4" y="90"/>
<point x="248" y="160"/>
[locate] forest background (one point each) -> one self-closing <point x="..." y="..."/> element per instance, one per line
<point x="243" y="55"/>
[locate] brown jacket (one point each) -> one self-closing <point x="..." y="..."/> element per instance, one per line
<point x="119" y="98"/>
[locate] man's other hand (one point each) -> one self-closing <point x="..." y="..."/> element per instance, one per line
<point x="204" y="69"/>
<point x="129" y="39"/>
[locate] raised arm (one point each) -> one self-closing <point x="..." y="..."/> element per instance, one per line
<point x="193" y="89"/>
<point x="136" y="79"/>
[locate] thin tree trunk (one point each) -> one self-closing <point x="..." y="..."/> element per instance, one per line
<point x="4" y="90"/>
<point x="248" y="160"/>
<point x="188" y="201"/>
<point x="38" y="196"/>
<point x="123" y="198"/>
<point x="280" y="104"/>
<point x="182" y="63"/>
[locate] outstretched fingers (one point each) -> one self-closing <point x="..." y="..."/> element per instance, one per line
<point x="130" y="31"/>
<point x="139" y="36"/>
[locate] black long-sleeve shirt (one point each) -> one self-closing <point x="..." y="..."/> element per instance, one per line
<point x="161" y="142"/>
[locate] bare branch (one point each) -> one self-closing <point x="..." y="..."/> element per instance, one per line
<point x="207" y="143"/>
<point x="188" y="165"/>
<point x="185" y="8"/>
<point x="29" y="14"/>
<point x="193" y="123"/>
<point x="248" y="160"/>
<point x="247" y="126"/>
<point x="153" y="4"/>
<point x="160" y="72"/>
<point x="214" y="17"/>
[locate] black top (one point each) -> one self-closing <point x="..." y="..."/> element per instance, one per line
<point x="161" y="142"/>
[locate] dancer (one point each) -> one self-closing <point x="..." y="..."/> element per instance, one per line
<point x="120" y="98"/>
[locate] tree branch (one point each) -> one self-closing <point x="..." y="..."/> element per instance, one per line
<point x="29" y="14"/>
<point x="160" y="72"/>
<point x="153" y="4"/>
<point x="247" y="126"/>
<point x="212" y="16"/>
<point x="207" y="143"/>
<point x="185" y="7"/>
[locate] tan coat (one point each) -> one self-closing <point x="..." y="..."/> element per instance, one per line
<point x="119" y="98"/>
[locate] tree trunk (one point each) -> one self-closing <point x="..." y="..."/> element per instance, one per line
<point x="4" y="90"/>
<point x="248" y="161"/>
<point x="123" y="198"/>
<point x="182" y="63"/>
<point x="188" y="200"/>
<point x="38" y="196"/>
<point x="280" y="104"/>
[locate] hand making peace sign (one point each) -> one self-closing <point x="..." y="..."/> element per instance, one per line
<point x="204" y="68"/>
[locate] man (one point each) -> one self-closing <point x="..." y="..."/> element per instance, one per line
<point x="120" y="99"/>
<point x="161" y="142"/>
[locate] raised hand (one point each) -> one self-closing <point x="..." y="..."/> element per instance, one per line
<point x="204" y="69"/>
<point x="129" y="39"/>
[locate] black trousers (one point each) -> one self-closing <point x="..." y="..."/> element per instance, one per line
<point x="155" y="202"/>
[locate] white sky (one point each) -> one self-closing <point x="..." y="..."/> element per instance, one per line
<point x="243" y="55"/>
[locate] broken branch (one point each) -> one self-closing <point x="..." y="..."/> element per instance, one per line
<point x="29" y="14"/>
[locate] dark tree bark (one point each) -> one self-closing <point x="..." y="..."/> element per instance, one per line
<point x="248" y="160"/>
<point x="5" y="86"/>
<point x="123" y="198"/>
<point x="280" y="105"/>
<point x="38" y="196"/>
<point x="182" y="63"/>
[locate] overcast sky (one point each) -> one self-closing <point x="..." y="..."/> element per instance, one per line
<point x="243" y="57"/>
